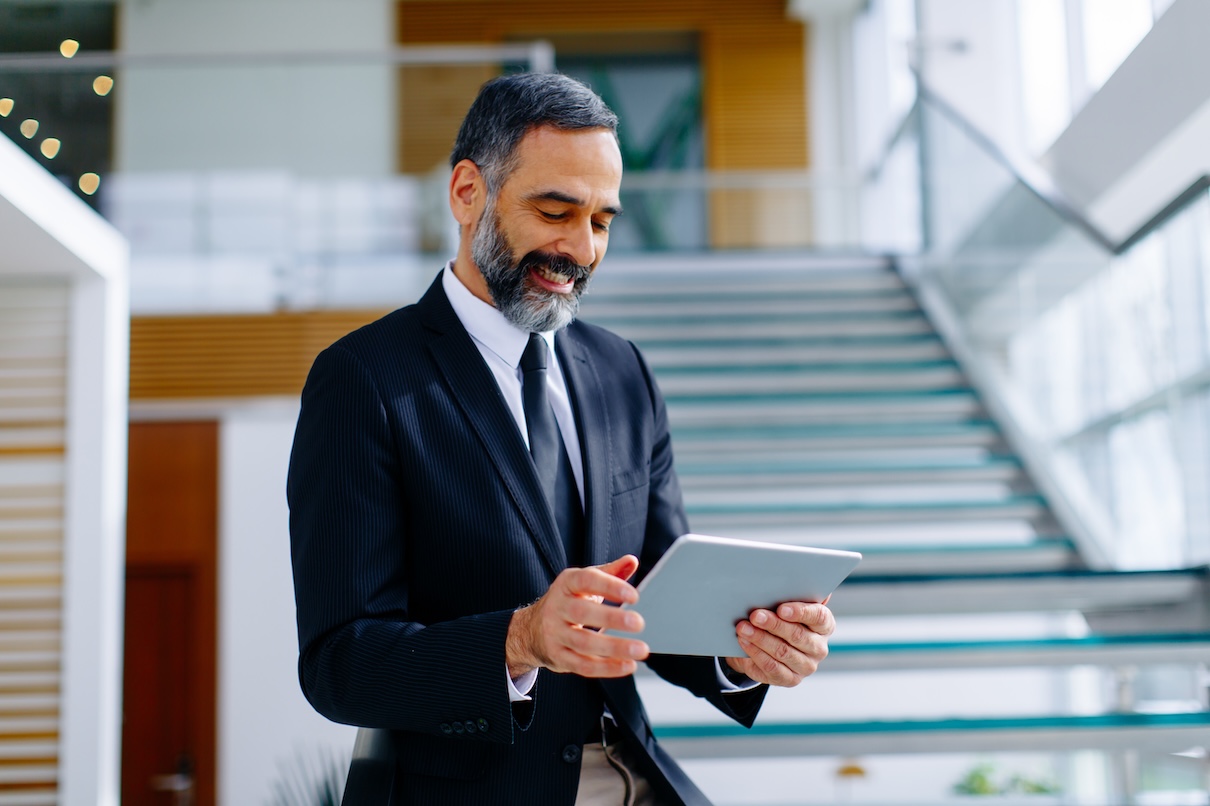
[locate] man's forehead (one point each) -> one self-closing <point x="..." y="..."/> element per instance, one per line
<point x="582" y="167"/>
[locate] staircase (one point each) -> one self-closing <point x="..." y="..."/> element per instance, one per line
<point x="811" y="402"/>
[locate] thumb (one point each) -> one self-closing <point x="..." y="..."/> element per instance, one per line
<point x="623" y="567"/>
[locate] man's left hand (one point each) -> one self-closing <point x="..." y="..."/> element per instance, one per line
<point x="783" y="647"/>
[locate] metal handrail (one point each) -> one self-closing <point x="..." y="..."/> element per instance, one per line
<point x="1040" y="185"/>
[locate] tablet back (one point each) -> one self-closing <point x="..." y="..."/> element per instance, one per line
<point x="703" y="586"/>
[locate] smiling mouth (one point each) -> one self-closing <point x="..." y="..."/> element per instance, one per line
<point x="553" y="281"/>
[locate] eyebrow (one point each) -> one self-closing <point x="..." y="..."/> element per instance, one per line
<point x="565" y="198"/>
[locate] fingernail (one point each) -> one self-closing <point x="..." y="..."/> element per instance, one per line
<point x="746" y="629"/>
<point x="638" y="651"/>
<point x="785" y="611"/>
<point x="632" y="622"/>
<point x="759" y="618"/>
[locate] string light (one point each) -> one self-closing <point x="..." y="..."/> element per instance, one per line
<point x="89" y="183"/>
<point x="6" y="106"/>
<point x="50" y="148"/>
<point x="101" y="85"/>
<point x="68" y="48"/>
<point x="29" y="127"/>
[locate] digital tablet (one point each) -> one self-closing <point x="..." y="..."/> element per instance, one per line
<point x="703" y="586"/>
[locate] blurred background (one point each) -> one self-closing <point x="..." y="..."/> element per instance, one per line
<point x="928" y="279"/>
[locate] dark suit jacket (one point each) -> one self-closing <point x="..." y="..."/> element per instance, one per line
<point x="418" y="526"/>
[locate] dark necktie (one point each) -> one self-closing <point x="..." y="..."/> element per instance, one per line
<point x="549" y="453"/>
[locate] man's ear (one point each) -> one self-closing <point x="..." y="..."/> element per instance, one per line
<point x="468" y="193"/>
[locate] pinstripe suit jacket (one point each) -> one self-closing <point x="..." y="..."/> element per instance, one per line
<point x="418" y="526"/>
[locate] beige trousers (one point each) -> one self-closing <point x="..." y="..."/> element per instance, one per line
<point x="608" y="778"/>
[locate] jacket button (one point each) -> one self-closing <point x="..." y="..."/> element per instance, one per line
<point x="459" y="728"/>
<point x="470" y="726"/>
<point x="482" y="723"/>
<point x="571" y="753"/>
<point x="446" y="729"/>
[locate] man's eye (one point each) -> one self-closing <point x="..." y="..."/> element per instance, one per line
<point x="554" y="216"/>
<point x="601" y="226"/>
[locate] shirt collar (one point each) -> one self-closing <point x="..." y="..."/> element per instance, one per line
<point x="485" y="323"/>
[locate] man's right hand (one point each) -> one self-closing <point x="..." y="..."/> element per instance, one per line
<point x="560" y="631"/>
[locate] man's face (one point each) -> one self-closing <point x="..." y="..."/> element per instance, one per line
<point x="539" y="240"/>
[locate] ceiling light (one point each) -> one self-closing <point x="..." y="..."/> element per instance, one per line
<point x="68" y="48"/>
<point x="50" y="148"/>
<point x="89" y="183"/>
<point x="29" y="127"/>
<point x="101" y="85"/>
<point x="6" y="106"/>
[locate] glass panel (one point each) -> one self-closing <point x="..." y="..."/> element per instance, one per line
<point x="1112" y="28"/>
<point x="1102" y="360"/>
<point x="1045" y="83"/>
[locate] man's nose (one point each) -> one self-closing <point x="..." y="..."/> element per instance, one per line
<point x="580" y="245"/>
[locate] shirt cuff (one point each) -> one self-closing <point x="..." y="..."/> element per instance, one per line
<point x="518" y="689"/>
<point x="725" y="684"/>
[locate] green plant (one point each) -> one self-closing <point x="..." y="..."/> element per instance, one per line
<point x="310" y="777"/>
<point x="980" y="780"/>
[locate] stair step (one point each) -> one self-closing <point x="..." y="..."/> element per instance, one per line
<point x="739" y="436"/>
<point x="786" y="379"/>
<point x="1043" y="554"/>
<point x="722" y="516"/>
<point x="1169" y="733"/>
<point x="751" y="329"/>
<point x="767" y="473"/>
<point x="711" y="355"/>
<point x="1095" y="650"/>
<point x="832" y="409"/>
<point x="744" y="304"/>
<point x="1058" y="591"/>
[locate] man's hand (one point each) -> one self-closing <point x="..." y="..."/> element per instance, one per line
<point x="786" y="646"/>
<point x="559" y="631"/>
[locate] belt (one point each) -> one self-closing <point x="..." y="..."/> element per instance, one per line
<point x="604" y="731"/>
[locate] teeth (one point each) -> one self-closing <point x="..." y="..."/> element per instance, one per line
<point x="554" y="277"/>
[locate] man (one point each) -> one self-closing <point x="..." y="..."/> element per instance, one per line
<point x="467" y="502"/>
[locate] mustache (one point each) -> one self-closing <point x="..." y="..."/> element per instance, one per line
<point x="555" y="263"/>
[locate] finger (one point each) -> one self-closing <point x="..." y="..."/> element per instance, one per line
<point x="586" y="612"/>
<point x="815" y="617"/>
<point x="595" y="645"/>
<point x="595" y="581"/>
<point x="798" y="660"/>
<point x="586" y="666"/>
<point x="793" y="633"/>
<point x="623" y="567"/>
<point x="768" y="669"/>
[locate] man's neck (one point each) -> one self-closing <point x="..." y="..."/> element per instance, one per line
<point x="469" y="275"/>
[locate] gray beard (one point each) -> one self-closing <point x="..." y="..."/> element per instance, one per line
<point x="527" y="307"/>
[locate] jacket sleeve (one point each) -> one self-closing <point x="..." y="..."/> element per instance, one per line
<point x="362" y="660"/>
<point x="666" y="521"/>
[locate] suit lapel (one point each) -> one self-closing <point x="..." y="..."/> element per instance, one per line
<point x="593" y="427"/>
<point x="476" y="393"/>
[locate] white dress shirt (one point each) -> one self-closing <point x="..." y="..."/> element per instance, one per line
<point x="501" y="345"/>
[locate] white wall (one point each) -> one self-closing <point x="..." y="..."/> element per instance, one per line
<point x="311" y="120"/>
<point x="264" y="724"/>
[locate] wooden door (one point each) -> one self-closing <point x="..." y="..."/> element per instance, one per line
<point x="168" y="729"/>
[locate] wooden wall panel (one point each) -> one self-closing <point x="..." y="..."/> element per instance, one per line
<point x="235" y="355"/>
<point x="753" y="62"/>
<point x="434" y="100"/>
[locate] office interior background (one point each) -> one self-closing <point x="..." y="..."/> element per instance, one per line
<point x="928" y="279"/>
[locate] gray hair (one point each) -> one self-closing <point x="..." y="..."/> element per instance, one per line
<point x="508" y="107"/>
